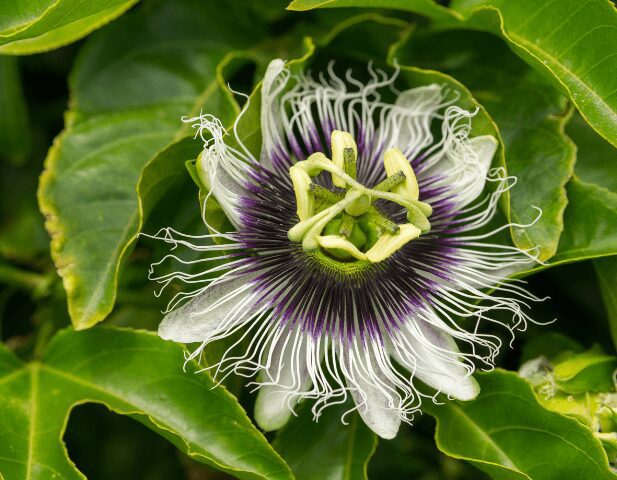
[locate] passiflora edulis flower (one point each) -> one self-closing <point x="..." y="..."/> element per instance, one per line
<point x="360" y="239"/>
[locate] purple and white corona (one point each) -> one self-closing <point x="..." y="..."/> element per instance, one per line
<point x="360" y="241"/>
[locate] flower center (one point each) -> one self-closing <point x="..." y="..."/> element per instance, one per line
<point x="344" y="223"/>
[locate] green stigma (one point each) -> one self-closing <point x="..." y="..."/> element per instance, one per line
<point x="344" y="224"/>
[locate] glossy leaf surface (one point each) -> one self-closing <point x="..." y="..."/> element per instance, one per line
<point x="506" y="433"/>
<point x="133" y="373"/>
<point x="133" y="84"/>
<point x="32" y="26"/>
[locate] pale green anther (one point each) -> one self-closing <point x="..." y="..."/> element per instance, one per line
<point x="340" y="247"/>
<point x="339" y="141"/>
<point x="347" y="226"/>
<point x="389" y="243"/>
<point x="349" y="162"/>
<point x="394" y="161"/>
<point x="301" y="181"/>
<point x="389" y="183"/>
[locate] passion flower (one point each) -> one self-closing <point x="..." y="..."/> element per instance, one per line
<point x="359" y="244"/>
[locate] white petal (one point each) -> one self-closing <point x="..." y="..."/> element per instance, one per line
<point x="482" y="150"/>
<point x="228" y="190"/>
<point x="373" y="404"/>
<point x="465" y="166"/>
<point x="421" y="99"/>
<point x="433" y="357"/>
<point x="222" y="305"/>
<point x="288" y="368"/>
<point x="411" y="128"/>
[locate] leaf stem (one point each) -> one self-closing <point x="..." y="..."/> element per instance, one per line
<point x="38" y="283"/>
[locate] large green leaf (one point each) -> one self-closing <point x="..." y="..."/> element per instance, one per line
<point x="32" y="26"/>
<point x="133" y="82"/>
<point x="327" y="449"/>
<point x="590" y="223"/>
<point x="133" y="373"/>
<point x="597" y="159"/>
<point x="530" y="114"/>
<point x="590" y="219"/>
<point x="506" y="433"/>
<point x="591" y="216"/>
<point x="565" y="39"/>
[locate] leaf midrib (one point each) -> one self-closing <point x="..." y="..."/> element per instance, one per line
<point x="536" y="50"/>
<point x="34" y="383"/>
<point x="505" y="459"/>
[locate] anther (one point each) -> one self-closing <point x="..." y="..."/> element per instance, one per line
<point x="390" y="182"/>
<point x="349" y="159"/>
<point x="323" y="193"/>
<point x="382" y="222"/>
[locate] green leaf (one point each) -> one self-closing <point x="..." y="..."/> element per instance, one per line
<point x="590" y="223"/>
<point x="597" y="159"/>
<point x="327" y="449"/>
<point x="564" y="39"/>
<point x="164" y="171"/>
<point x="590" y="371"/>
<point x="530" y="114"/>
<point x="132" y="373"/>
<point x="506" y="433"/>
<point x="32" y="26"/>
<point x="424" y="7"/>
<point x="590" y="220"/>
<point x="606" y="270"/>
<point x="133" y="82"/>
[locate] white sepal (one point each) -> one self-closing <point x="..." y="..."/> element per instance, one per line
<point x="432" y="356"/>
<point x="286" y="375"/>
<point x="374" y="396"/>
<point x="220" y="306"/>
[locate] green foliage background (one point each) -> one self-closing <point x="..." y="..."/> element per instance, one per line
<point x="92" y="152"/>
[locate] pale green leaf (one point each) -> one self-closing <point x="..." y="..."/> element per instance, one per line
<point x="32" y="26"/>
<point x="590" y="371"/>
